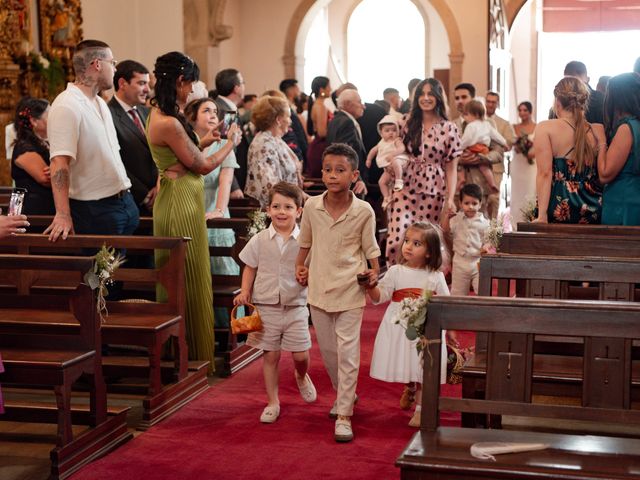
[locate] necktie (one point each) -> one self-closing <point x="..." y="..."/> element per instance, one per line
<point x="136" y="120"/>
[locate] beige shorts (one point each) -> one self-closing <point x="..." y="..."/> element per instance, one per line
<point x="284" y="328"/>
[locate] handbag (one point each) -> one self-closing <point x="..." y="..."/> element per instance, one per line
<point x="247" y="324"/>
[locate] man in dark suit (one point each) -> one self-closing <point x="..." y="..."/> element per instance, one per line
<point x="595" y="108"/>
<point x="227" y="96"/>
<point x="131" y="83"/>
<point x="373" y="113"/>
<point x="344" y="127"/>
<point x="296" y="137"/>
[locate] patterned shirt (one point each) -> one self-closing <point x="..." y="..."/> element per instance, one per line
<point x="269" y="161"/>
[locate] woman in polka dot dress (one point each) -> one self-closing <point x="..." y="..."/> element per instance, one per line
<point x="433" y="144"/>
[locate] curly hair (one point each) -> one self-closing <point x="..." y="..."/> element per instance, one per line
<point x="267" y="110"/>
<point x="413" y="138"/>
<point x="572" y="94"/>
<point x="168" y="68"/>
<point x="28" y="108"/>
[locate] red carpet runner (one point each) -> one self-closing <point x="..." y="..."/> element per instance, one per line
<point x="219" y="436"/>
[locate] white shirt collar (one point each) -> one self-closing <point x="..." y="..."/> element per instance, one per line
<point x="294" y="233"/>
<point x="229" y="103"/>
<point x="124" y="105"/>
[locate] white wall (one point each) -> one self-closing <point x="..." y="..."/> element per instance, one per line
<point x="138" y="30"/>
<point x="523" y="50"/>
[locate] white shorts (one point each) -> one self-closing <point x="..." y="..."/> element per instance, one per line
<point x="285" y="327"/>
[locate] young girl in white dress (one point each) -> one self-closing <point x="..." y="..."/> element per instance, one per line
<point x="395" y="357"/>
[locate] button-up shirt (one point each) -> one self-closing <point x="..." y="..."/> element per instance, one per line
<point x="339" y="251"/>
<point x="468" y="234"/>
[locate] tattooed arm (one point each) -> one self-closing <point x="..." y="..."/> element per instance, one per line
<point x="62" y="224"/>
<point x="167" y="131"/>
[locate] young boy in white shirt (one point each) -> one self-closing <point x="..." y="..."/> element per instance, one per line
<point x="468" y="228"/>
<point x="269" y="282"/>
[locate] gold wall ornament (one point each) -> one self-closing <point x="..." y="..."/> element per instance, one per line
<point x="14" y="25"/>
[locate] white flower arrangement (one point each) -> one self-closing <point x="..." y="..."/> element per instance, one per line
<point x="106" y="263"/>
<point x="494" y="233"/>
<point x="258" y="222"/>
<point x="412" y="316"/>
<point x="529" y="210"/>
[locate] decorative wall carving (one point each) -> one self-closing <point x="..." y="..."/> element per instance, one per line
<point x="218" y="32"/>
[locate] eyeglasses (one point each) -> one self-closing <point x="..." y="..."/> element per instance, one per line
<point x="112" y="61"/>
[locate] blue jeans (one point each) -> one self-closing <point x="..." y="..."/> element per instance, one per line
<point x="115" y="215"/>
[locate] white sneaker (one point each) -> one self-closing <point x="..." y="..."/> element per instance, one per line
<point x="306" y="387"/>
<point x="343" y="431"/>
<point x="398" y="185"/>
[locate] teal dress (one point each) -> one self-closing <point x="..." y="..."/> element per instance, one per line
<point x="576" y="197"/>
<point x="621" y="197"/>
<point x="220" y="237"/>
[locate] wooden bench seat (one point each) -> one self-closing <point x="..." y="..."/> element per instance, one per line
<point x="54" y="356"/>
<point x="580" y="229"/>
<point x="147" y="324"/>
<point x="568" y="244"/>
<point x="608" y="329"/>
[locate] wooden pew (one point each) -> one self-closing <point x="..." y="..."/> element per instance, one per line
<point x="531" y="276"/>
<point x="608" y="328"/>
<point x="234" y="352"/>
<point x="572" y="228"/>
<point x="561" y="244"/>
<point x="146" y="324"/>
<point x="51" y="341"/>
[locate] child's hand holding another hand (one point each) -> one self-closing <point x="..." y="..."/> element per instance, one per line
<point x="302" y="274"/>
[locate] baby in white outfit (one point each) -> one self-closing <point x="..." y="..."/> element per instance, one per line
<point x="390" y="155"/>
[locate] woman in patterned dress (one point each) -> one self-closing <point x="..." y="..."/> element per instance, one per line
<point x="270" y="159"/>
<point x="179" y="207"/>
<point x="567" y="182"/>
<point x="433" y="144"/>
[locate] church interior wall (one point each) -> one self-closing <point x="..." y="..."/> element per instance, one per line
<point x="523" y="36"/>
<point x="135" y="29"/>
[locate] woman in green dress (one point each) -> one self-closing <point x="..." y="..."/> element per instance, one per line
<point x="179" y="207"/>
<point x="567" y="182"/>
<point x="202" y="114"/>
<point x="619" y="165"/>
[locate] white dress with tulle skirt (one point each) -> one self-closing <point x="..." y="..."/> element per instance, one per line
<point x="395" y="357"/>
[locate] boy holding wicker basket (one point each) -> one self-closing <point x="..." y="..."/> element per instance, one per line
<point x="269" y="282"/>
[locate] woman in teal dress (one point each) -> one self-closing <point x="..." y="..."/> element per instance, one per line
<point x="179" y="207"/>
<point x="202" y="115"/>
<point x="619" y="165"/>
<point x="567" y="182"/>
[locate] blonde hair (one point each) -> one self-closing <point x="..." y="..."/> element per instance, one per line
<point x="573" y="95"/>
<point x="267" y="110"/>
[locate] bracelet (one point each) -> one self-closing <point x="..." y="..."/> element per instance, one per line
<point x="600" y="146"/>
<point x="219" y="210"/>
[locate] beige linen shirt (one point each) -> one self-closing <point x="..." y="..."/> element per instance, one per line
<point x="339" y="251"/>
<point x="468" y="234"/>
<point x="506" y="130"/>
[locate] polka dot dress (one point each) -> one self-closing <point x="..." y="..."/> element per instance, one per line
<point x="424" y="190"/>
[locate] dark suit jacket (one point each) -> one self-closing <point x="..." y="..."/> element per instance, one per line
<point x="135" y="153"/>
<point x="373" y="113"/>
<point x="341" y="129"/>
<point x="595" y="109"/>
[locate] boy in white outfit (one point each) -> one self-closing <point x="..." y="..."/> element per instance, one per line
<point x="477" y="136"/>
<point x="269" y="282"/>
<point x="468" y="228"/>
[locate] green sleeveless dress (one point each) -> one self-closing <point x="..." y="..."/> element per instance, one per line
<point x="178" y="211"/>
<point x="621" y="197"/>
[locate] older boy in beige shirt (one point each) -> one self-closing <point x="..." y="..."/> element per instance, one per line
<point x="339" y="231"/>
